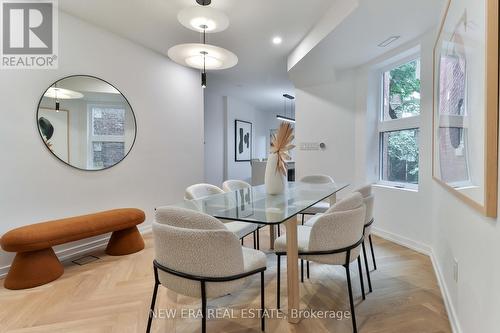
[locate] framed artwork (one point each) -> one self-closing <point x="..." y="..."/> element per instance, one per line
<point x="242" y="141"/>
<point x="54" y="129"/>
<point x="465" y="116"/>
<point x="244" y="200"/>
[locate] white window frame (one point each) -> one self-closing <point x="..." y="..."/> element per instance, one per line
<point x="103" y="138"/>
<point x="409" y="123"/>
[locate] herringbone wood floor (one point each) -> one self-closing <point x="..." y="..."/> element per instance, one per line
<point x="113" y="295"/>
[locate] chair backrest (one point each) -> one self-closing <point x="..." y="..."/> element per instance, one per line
<point x="234" y="185"/>
<point x="339" y="229"/>
<point x="317" y="179"/>
<point x="365" y="191"/>
<point x="195" y="243"/>
<point x="197" y="191"/>
<point x="369" y="202"/>
<point x="348" y="203"/>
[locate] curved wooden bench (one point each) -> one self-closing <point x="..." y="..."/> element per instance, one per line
<point x="36" y="263"/>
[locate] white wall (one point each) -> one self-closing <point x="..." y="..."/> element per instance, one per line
<point x="220" y="115"/>
<point x="325" y="113"/>
<point x="431" y="219"/>
<point x="168" y="152"/>
<point x="214" y="138"/>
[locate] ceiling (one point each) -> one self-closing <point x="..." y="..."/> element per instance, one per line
<point x="260" y="77"/>
<point x="355" y="41"/>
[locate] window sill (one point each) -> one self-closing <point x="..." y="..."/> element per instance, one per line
<point x="396" y="187"/>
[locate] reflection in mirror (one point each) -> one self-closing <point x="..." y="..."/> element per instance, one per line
<point x="453" y="111"/>
<point x="459" y="146"/>
<point x="86" y="122"/>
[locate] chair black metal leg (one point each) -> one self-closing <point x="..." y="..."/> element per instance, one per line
<point x="278" y="273"/>
<point x="153" y="300"/>
<point x="302" y="219"/>
<point x="351" y="301"/>
<point x="203" y="307"/>
<point x="373" y="253"/>
<point x="360" y="270"/>
<point x="308" y="269"/>
<point x="152" y="308"/>
<point x="254" y="241"/>
<point x="262" y="303"/>
<point x="302" y="270"/>
<point x="279" y="230"/>
<point x="366" y="266"/>
<point x="258" y="239"/>
<point x="242" y="241"/>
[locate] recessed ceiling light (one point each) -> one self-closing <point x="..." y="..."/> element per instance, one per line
<point x="277" y="40"/>
<point x="388" y="41"/>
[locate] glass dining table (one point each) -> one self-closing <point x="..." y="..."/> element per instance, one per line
<point x="254" y="205"/>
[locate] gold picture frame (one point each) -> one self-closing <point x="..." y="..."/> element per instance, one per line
<point x="489" y="168"/>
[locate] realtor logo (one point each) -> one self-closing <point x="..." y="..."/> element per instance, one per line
<point x="29" y="34"/>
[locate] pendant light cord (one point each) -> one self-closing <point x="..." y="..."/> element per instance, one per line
<point x="57" y="99"/>
<point x="204" y="55"/>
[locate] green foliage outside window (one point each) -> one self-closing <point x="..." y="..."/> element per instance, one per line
<point x="404" y="90"/>
<point x="404" y="101"/>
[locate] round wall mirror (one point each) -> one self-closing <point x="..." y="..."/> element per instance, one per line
<point x="86" y="122"/>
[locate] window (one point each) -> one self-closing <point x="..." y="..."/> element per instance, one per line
<point x="399" y="124"/>
<point x="106" y="136"/>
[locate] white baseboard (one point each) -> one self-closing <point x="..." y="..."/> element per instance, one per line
<point x="81" y="249"/>
<point x="450" y="309"/>
<point x="403" y="241"/>
<point x="426" y="250"/>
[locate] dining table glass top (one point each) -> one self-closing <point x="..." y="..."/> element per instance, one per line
<point x="255" y="205"/>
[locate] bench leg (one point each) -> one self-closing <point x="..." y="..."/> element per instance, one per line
<point x="33" y="269"/>
<point x="125" y="241"/>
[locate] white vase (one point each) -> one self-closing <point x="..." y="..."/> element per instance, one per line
<point x="275" y="181"/>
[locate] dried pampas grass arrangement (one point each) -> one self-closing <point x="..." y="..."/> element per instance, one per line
<point x="281" y="144"/>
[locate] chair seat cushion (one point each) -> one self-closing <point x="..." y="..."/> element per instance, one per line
<point x="333" y="259"/>
<point x="320" y="207"/>
<point x="241" y="229"/>
<point x="303" y="233"/>
<point x="253" y="259"/>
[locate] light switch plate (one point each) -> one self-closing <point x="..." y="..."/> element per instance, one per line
<point x="309" y="146"/>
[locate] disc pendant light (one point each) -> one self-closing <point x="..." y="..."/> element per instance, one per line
<point x="201" y="55"/>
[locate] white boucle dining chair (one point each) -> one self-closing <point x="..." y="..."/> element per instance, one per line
<point x="321" y="206"/>
<point x="198" y="191"/>
<point x="335" y="239"/>
<point x="241" y="229"/>
<point x="369" y="199"/>
<point x="233" y="185"/>
<point x="197" y="256"/>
